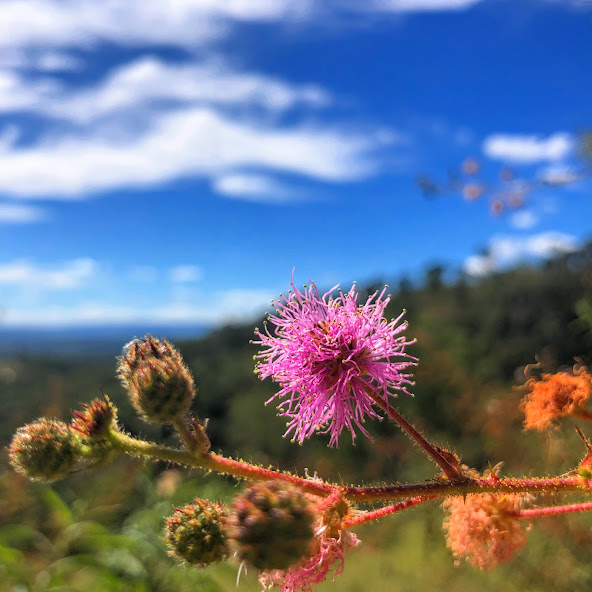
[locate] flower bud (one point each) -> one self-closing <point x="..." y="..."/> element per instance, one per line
<point x="45" y="450"/>
<point x="159" y="384"/>
<point x="272" y="525"/>
<point x="196" y="533"/>
<point x="96" y="419"/>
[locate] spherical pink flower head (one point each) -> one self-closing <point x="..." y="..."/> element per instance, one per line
<point x="484" y="528"/>
<point x="312" y="570"/>
<point x="328" y="354"/>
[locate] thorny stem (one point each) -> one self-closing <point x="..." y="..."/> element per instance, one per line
<point x="213" y="462"/>
<point x="385" y="511"/>
<point x="431" y="489"/>
<point x="434" y="453"/>
<point x="447" y="488"/>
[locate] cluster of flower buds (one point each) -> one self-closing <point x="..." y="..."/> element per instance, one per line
<point x="271" y="526"/>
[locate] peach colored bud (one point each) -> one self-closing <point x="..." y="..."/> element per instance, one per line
<point x="472" y="191"/>
<point x="470" y="166"/>
<point x="483" y="528"/>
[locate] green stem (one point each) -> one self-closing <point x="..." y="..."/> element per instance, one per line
<point x="213" y="462"/>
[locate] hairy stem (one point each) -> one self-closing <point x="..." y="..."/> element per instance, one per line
<point x="446" y="488"/>
<point x="451" y="471"/>
<point x="213" y="462"/>
<point x="432" y="489"/>
<point x="554" y="510"/>
<point x="386" y="511"/>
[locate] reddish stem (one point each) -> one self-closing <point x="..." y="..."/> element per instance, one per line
<point x="329" y="501"/>
<point x="449" y="469"/>
<point x="463" y="486"/>
<point x="582" y="414"/>
<point x="385" y="511"/>
<point x="554" y="510"/>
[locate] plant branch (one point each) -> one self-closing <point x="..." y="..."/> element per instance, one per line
<point x="451" y="471"/>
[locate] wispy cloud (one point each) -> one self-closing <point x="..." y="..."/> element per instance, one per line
<point x="185" y="274"/>
<point x="139" y="84"/>
<point x="528" y="149"/>
<point x="67" y="276"/>
<point x="191" y="142"/>
<point x="20" y="214"/>
<point x="251" y="187"/>
<point x="504" y="251"/>
<point x="524" y="219"/>
<point x="220" y="307"/>
<point x="185" y="23"/>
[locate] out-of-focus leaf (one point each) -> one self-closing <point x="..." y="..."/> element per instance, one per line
<point x="61" y="513"/>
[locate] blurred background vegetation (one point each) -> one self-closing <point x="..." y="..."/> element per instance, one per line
<point x="102" y="530"/>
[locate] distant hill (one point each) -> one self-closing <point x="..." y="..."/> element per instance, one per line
<point x="88" y="341"/>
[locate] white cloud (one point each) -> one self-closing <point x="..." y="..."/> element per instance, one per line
<point x="253" y="188"/>
<point x="528" y="149"/>
<point x="185" y="274"/>
<point x="524" y="219"/>
<point x="221" y="307"/>
<point x="190" y="142"/>
<point x="55" y="61"/>
<point x="506" y="250"/>
<point x="184" y="23"/>
<point x="20" y="214"/>
<point x="179" y="22"/>
<point x="138" y="85"/>
<point x="67" y="276"/>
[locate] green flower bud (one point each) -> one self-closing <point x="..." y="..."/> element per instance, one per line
<point x="272" y="525"/>
<point x="196" y="533"/>
<point x="45" y="450"/>
<point x="159" y="384"/>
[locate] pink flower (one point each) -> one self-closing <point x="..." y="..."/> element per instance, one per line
<point x="328" y="354"/>
<point x="312" y="570"/>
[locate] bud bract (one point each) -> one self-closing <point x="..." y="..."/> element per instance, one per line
<point x="272" y="525"/>
<point x="196" y="533"/>
<point x="96" y="419"/>
<point x="159" y="384"/>
<point x="45" y="450"/>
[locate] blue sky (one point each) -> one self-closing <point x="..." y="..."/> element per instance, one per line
<point x="174" y="161"/>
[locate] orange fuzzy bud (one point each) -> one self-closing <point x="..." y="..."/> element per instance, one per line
<point x="555" y="396"/>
